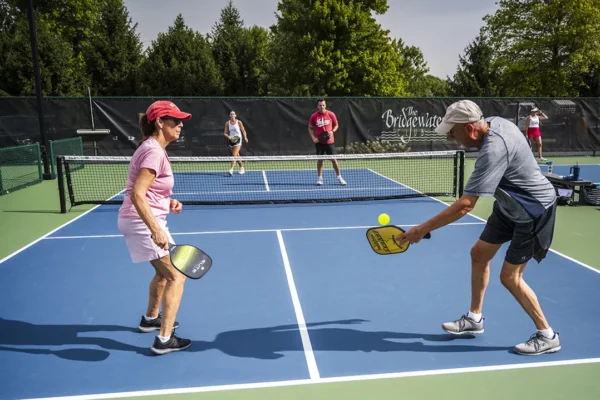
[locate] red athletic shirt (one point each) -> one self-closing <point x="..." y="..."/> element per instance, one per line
<point x="324" y="123"/>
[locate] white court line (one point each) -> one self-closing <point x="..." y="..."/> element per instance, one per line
<point x="311" y="190"/>
<point x="575" y="261"/>
<point x="266" y="181"/>
<point x="395" y="181"/>
<point x="309" y="381"/>
<point x="47" y="234"/>
<point x="568" y="165"/>
<point x="481" y="219"/>
<point x="313" y="370"/>
<point x="299" y="382"/>
<point x="322" y="228"/>
<point x="552" y="250"/>
<point x="54" y="230"/>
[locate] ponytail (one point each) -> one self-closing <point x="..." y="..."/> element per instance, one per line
<point x="146" y="127"/>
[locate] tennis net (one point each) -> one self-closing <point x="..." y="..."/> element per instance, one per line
<point x="20" y="167"/>
<point x="272" y="179"/>
<point x="65" y="147"/>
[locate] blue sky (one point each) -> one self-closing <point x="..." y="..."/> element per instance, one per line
<point x="440" y="28"/>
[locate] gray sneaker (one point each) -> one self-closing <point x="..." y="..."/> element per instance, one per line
<point x="464" y="326"/>
<point x="538" y="344"/>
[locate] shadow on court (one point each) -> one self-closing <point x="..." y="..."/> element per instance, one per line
<point x="67" y="354"/>
<point x="19" y="333"/>
<point x="261" y="343"/>
<point x="270" y="342"/>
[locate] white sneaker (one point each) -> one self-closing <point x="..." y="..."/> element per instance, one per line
<point x="320" y="181"/>
<point x="230" y="172"/>
<point x="341" y="180"/>
<point x="538" y="344"/>
<point x="242" y="171"/>
<point x="464" y="326"/>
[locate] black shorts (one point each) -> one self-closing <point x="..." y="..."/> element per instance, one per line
<point x="527" y="240"/>
<point x="324" y="148"/>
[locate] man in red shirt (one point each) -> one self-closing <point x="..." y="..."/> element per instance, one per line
<point x="321" y="127"/>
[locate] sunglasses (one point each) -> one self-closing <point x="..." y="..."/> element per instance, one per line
<point x="177" y="121"/>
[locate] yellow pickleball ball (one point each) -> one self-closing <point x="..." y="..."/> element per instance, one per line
<point x="384" y="219"/>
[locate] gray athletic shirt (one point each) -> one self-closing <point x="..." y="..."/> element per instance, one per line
<point x="507" y="170"/>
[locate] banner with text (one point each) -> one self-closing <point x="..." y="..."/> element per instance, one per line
<point x="277" y="126"/>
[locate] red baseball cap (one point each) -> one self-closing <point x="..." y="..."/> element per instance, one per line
<point x="162" y="108"/>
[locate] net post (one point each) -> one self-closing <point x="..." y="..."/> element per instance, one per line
<point x="461" y="173"/>
<point x="61" y="185"/>
<point x="39" y="161"/>
<point x="455" y="174"/>
<point x="52" y="156"/>
<point x="67" y="172"/>
<point x="47" y="174"/>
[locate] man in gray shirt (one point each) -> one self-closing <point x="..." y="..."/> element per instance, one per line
<point x="524" y="214"/>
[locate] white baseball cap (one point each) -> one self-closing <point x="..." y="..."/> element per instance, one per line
<point x="535" y="109"/>
<point x="461" y="112"/>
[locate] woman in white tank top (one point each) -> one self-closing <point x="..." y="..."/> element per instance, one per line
<point x="234" y="129"/>
<point x="532" y="129"/>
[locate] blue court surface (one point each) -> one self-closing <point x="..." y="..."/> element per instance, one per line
<point x="295" y="295"/>
<point x="287" y="185"/>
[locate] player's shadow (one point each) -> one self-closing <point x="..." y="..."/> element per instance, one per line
<point x="266" y="343"/>
<point x="270" y="342"/>
<point x="19" y="333"/>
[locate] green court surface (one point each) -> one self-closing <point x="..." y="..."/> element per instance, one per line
<point x="29" y="214"/>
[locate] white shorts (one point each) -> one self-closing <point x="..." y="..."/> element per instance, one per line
<point x="140" y="244"/>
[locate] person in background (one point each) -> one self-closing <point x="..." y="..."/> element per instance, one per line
<point x="234" y="129"/>
<point x="532" y="127"/>
<point x="322" y="126"/>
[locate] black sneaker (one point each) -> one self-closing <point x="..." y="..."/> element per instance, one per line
<point x="175" y="343"/>
<point x="153" y="324"/>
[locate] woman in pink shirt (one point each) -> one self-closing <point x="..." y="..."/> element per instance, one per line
<point x="142" y="220"/>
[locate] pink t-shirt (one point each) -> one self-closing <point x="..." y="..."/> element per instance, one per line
<point x="152" y="156"/>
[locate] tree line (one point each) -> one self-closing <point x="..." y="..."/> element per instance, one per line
<point x="527" y="48"/>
